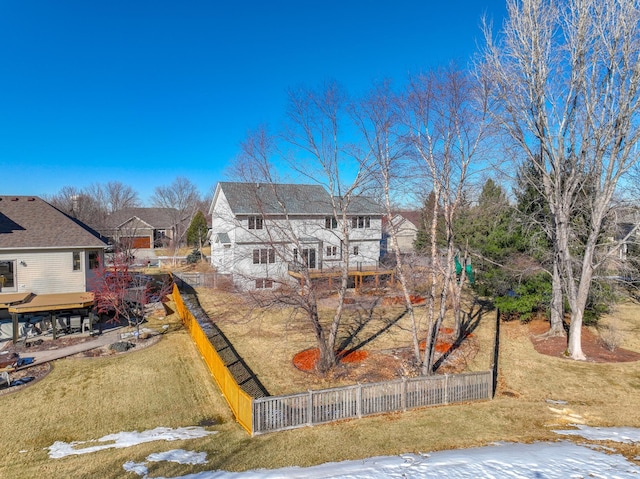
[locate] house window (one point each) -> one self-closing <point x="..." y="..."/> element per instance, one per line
<point x="361" y="222"/>
<point x="7" y="274"/>
<point x="94" y="260"/>
<point x="307" y="257"/>
<point x="330" y="223"/>
<point x="356" y="251"/>
<point x="255" y="223"/>
<point x="264" y="283"/>
<point x="264" y="256"/>
<point x="76" y="261"/>
<point x="332" y="251"/>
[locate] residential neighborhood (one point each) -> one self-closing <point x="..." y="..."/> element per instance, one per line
<point x="320" y="240"/>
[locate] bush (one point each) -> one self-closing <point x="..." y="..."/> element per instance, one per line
<point x="611" y="336"/>
<point x="194" y="257"/>
<point x="529" y="297"/>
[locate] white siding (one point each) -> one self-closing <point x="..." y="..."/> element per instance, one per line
<point x="48" y="271"/>
<point x="311" y="230"/>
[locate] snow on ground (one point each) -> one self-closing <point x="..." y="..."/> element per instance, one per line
<point x="627" y="435"/>
<point x="548" y="460"/>
<point x="175" y="455"/>
<point x="126" y="439"/>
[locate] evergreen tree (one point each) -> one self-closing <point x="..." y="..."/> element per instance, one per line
<point x="198" y="230"/>
<point x="422" y="242"/>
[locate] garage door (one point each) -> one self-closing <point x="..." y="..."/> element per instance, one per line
<point x="137" y="242"/>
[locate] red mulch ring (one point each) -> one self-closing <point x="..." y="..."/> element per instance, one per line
<point x="445" y="340"/>
<point x="591" y="345"/>
<point x="441" y="346"/>
<point x="306" y="360"/>
<point x="392" y="300"/>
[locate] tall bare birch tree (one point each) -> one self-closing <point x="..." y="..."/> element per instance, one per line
<point x="378" y="118"/>
<point x="312" y="145"/>
<point x="447" y="119"/>
<point x="567" y="77"/>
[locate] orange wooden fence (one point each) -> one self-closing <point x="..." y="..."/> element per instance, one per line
<point x="239" y="401"/>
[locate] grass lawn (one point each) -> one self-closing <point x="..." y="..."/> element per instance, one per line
<point x="168" y="385"/>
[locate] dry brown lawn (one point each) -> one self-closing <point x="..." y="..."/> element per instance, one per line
<point x="168" y="385"/>
<point x="268" y="339"/>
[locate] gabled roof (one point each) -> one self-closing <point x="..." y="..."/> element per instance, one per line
<point x="157" y="218"/>
<point x="29" y="222"/>
<point x="298" y="199"/>
<point x="402" y="217"/>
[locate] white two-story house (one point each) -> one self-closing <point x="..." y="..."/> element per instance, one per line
<point x="261" y="232"/>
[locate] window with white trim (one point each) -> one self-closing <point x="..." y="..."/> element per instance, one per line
<point x="76" y="260"/>
<point x="332" y="251"/>
<point x="264" y="256"/>
<point x="361" y="222"/>
<point x="330" y="222"/>
<point x="94" y="260"/>
<point x="255" y="223"/>
<point x="264" y="283"/>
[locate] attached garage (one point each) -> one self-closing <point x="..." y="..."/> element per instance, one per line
<point x="137" y="242"/>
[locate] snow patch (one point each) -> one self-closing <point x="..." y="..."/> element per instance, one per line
<point x="627" y="435"/>
<point x="175" y="455"/>
<point x="61" y="449"/>
<point x="180" y="456"/>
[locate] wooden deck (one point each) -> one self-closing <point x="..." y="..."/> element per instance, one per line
<point x="358" y="275"/>
<point x="53" y="302"/>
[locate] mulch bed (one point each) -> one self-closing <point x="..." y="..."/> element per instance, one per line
<point x="591" y="345"/>
<point x="306" y="360"/>
<point x="377" y="366"/>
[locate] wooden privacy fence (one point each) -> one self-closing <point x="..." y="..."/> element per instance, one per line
<point x="316" y="407"/>
<point x="205" y="280"/>
<point x="277" y="413"/>
<point x="239" y="401"/>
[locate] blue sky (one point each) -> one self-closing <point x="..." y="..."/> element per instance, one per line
<point x="144" y="91"/>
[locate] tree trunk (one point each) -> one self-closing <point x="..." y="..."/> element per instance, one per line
<point x="556" y="317"/>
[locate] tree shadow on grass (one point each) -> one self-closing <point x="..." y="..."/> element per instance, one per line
<point x="365" y="318"/>
<point x="469" y="324"/>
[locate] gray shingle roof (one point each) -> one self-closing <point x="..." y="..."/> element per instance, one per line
<point x="30" y="222"/>
<point x="265" y="199"/>
<point x="158" y="218"/>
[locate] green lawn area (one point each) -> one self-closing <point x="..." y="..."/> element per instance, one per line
<point x="167" y="385"/>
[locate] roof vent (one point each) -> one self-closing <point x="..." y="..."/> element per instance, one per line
<point x="14" y="199"/>
<point x="31" y="199"/>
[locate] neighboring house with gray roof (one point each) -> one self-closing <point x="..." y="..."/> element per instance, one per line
<point x="43" y="250"/>
<point x="405" y="224"/>
<point x="141" y="228"/>
<point x="261" y="230"/>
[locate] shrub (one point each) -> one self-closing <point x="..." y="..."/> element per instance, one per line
<point x="194" y="257"/>
<point x="527" y="298"/>
<point x="611" y="336"/>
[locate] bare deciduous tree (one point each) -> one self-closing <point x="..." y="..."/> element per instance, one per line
<point x="378" y="119"/>
<point x="446" y="115"/>
<point x="181" y="199"/>
<point x="312" y="146"/>
<point x="566" y="79"/>
<point x="94" y="203"/>
<point x="119" y="196"/>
